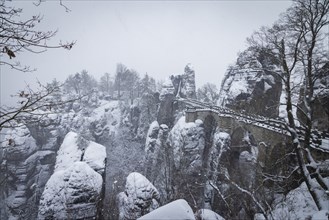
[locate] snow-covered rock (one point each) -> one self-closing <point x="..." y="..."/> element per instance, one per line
<point x="187" y="142"/>
<point x="155" y="162"/>
<point x="26" y="163"/>
<point x="75" y="187"/>
<point x="93" y="154"/>
<point x="323" y="214"/>
<point x="207" y="214"/>
<point x="71" y="193"/>
<point x="139" y="198"/>
<point x="183" y="86"/>
<point x="167" y="89"/>
<point x="252" y="85"/>
<point x="178" y="209"/>
<point x="187" y="145"/>
<point x="68" y="152"/>
<point x="298" y="204"/>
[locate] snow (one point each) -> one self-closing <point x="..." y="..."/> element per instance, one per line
<point x="152" y="135"/>
<point x="198" y="122"/>
<point x="18" y="134"/>
<point x="282" y="107"/>
<point x="223" y="135"/>
<point x="108" y="111"/>
<point x="239" y="86"/>
<point x="139" y="197"/>
<point x="138" y="185"/>
<point x="95" y="156"/>
<point x="323" y="214"/>
<point x="65" y="186"/>
<point x="76" y="181"/>
<point x="325" y="144"/>
<point x="207" y="214"/>
<point x="189" y="67"/>
<point x="68" y="152"/>
<point x="167" y="88"/>
<point x="106" y="106"/>
<point x="178" y="209"/>
<point x="178" y="138"/>
<point x="267" y="86"/>
<point x="181" y="124"/>
<point x="298" y="204"/>
<point x="270" y="78"/>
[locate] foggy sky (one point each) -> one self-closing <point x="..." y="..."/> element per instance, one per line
<point x="154" y="37"/>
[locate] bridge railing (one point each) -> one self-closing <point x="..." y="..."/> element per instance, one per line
<point x="277" y="125"/>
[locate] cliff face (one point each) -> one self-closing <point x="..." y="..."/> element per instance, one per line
<point x="181" y="162"/>
<point x="74" y="189"/>
<point x="28" y="162"/>
<point x="139" y="197"/>
<point x="175" y="86"/>
<point x="251" y="85"/>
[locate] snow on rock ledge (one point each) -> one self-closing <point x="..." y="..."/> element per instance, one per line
<point x="207" y="214"/>
<point x="68" y="191"/>
<point x="74" y="189"/>
<point x="187" y="141"/>
<point x="140" y="197"/>
<point x="68" y="152"/>
<point x="178" y="209"/>
<point x="94" y="154"/>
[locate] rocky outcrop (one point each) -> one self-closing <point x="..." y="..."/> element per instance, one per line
<point x="181" y="163"/>
<point x="207" y="214"/>
<point x="176" y="86"/>
<point x="252" y="85"/>
<point x="155" y="151"/>
<point x="75" y="188"/>
<point x="28" y="162"/>
<point x="186" y="83"/>
<point x="178" y="209"/>
<point x="187" y="143"/>
<point x="143" y="113"/>
<point x="139" y="198"/>
<point x="72" y="193"/>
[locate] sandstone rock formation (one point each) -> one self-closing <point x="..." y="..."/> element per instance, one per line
<point x="252" y="85"/>
<point x="75" y="188"/>
<point x="139" y="198"/>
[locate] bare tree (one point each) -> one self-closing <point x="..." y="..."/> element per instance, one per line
<point x="106" y="84"/>
<point x="120" y="76"/>
<point x="208" y="93"/>
<point x="133" y="85"/>
<point x="33" y="105"/>
<point x="297" y="42"/>
<point x="17" y="36"/>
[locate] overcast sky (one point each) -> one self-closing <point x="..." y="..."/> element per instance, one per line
<point x="157" y="37"/>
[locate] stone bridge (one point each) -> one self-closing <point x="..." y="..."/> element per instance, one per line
<point x="267" y="132"/>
